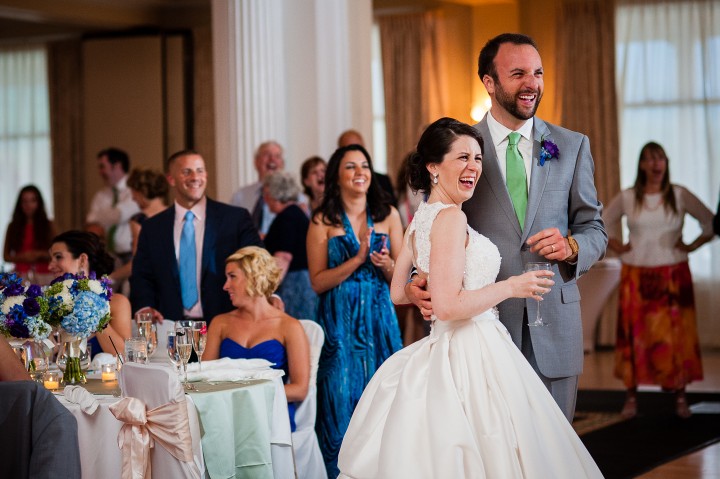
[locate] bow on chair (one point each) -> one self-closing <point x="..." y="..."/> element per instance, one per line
<point x="167" y="424"/>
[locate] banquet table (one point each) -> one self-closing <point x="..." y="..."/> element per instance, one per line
<point x="244" y="431"/>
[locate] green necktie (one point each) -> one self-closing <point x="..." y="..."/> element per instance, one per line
<point x="515" y="177"/>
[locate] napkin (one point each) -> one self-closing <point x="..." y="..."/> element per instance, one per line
<point x="229" y="363"/>
<point x="226" y="369"/>
<point x="100" y="359"/>
<point x="79" y="395"/>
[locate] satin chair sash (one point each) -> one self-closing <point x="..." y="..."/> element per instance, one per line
<point x="167" y="424"/>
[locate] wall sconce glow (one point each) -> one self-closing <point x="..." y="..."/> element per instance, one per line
<point x="478" y="111"/>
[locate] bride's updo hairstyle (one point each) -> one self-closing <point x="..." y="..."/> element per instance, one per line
<point x="435" y="142"/>
<point x="79" y="242"/>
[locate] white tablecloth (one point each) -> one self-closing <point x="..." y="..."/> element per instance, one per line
<point x="101" y="457"/>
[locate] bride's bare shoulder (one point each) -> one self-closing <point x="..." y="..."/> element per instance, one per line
<point x="449" y="218"/>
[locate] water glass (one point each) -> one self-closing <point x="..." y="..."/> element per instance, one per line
<point x="136" y="350"/>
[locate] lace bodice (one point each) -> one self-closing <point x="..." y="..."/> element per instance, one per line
<point x="482" y="258"/>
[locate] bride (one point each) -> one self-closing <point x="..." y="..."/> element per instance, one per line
<point x="463" y="402"/>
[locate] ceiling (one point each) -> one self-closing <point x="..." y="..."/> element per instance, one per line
<point x="51" y="18"/>
<point x="42" y="18"/>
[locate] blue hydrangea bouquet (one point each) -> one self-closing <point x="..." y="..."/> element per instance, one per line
<point x="76" y="304"/>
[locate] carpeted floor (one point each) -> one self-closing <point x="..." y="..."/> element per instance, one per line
<point x="628" y="448"/>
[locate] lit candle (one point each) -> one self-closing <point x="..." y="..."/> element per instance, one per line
<point x="108" y="372"/>
<point x="51" y="385"/>
<point x="51" y="380"/>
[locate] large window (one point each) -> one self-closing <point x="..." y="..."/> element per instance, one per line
<point x="668" y="83"/>
<point x="24" y="127"/>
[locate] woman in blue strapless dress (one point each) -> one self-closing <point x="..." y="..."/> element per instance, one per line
<point x="256" y="329"/>
<point x="353" y="240"/>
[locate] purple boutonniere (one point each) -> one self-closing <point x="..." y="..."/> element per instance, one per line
<point x="548" y="151"/>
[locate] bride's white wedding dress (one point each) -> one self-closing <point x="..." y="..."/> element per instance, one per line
<point x="463" y="402"/>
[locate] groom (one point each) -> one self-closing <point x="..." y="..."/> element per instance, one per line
<point x="536" y="200"/>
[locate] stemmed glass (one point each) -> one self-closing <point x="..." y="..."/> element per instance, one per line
<point x="147" y="330"/>
<point x="183" y="344"/>
<point x="172" y="351"/>
<point x="538" y="266"/>
<point x="199" y="331"/>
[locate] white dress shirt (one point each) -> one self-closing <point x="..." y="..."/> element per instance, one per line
<point x="199" y="210"/>
<point x="103" y="212"/>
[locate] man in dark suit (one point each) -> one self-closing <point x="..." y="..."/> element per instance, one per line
<point x="179" y="267"/>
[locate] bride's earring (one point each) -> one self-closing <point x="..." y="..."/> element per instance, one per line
<point x="435" y="179"/>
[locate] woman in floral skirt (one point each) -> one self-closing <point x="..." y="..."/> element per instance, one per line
<point x="657" y="341"/>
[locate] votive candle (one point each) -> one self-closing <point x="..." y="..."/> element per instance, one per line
<point x="108" y="372"/>
<point x="51" y="380"/>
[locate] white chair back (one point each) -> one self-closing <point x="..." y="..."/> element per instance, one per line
<point x="308" y="458"/>
<point x="158" y="385"/>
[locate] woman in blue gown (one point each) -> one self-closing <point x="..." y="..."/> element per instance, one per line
<point x="353" y="240"/>
<point x="256" y="329"/>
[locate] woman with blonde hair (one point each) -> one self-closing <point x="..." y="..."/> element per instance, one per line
<point x="255" y="328"/>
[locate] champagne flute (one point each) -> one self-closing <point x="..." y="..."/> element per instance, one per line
<point x="172" y="351"/>
<point x="199" y="331"/>
<point x="538" y="266"/>
<point x="147" y="330"/>
<point x="183" y="344"/>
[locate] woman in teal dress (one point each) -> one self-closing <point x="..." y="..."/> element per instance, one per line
<point x="353" y="240"/>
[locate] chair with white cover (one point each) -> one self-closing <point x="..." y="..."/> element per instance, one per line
<point x="308" y="458"/>
<point x="155" y="393"/>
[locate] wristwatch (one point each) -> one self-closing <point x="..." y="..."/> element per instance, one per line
<point x="574" y="248"/>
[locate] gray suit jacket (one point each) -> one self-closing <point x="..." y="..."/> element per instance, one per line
<point x="562" y="194"/>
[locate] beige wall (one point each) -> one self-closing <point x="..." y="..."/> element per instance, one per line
<point x="134" y="98"/>
<point x="122" y="102"/>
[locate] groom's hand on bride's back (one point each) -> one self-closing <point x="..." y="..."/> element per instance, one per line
<point x="416" y="291"/>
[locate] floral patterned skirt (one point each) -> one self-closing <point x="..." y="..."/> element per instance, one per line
<point x="657" y="341"/>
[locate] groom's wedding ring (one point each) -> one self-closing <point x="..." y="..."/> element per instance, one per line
<point x="553" y="247"/>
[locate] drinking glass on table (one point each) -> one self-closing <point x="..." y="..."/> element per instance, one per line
<point x="143" y="315"/>
<point x="199" y="335"/>
<point x="538" y="266"/>
<point x="172" y="351"/>
<point x="147" y="330"/>
<point x="183" y="344"/>
<point x="136" y="350"/>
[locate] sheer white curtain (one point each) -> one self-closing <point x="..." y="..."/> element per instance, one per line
<point x="24" y="127"/>
<point x="668" y="83"/>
